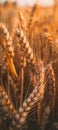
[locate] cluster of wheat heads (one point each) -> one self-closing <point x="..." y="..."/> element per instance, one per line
<point x="28" y="55"/>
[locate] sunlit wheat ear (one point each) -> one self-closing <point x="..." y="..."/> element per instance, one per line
<point x="3" y="62"/>
<point x="50" y="48"/>
<point x="52" y="86"/>
<point x="33" y="10"/>
<point x="49" y="98"/>
<point x="4" y="34"/>
<point x="9" y="51"/>
<point x="42" y="44"/>
<point x="39" y="74"/>
<point x="22" y="21"/>
<point x="7" y="110"/>
<point x="36" y="96"/>
<point x="25" y="45"/>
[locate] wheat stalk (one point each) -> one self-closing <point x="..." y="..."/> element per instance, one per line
<point x="49" y="99"/>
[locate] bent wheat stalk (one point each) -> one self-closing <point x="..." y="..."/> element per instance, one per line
<point x="35" y="96"/>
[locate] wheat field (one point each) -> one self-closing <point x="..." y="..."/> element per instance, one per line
<point x="28" y="67"/>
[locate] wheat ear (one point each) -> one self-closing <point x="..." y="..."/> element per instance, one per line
<point x="5" y="34"/>
<point x="6" y="107"/>
<point x="25" y="44"/>
<point x="34" y="8"/>
<point x="22" y="21"/>
<point x="50" y="45"/>
<point x="49" y="98"/>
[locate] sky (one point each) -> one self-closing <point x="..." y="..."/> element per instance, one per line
<point x="30" y="2"/>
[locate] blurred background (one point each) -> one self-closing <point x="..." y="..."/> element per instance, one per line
<point x="30" y="2"/>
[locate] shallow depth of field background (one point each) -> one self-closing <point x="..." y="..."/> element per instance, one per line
<point x="30" y="2"/>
